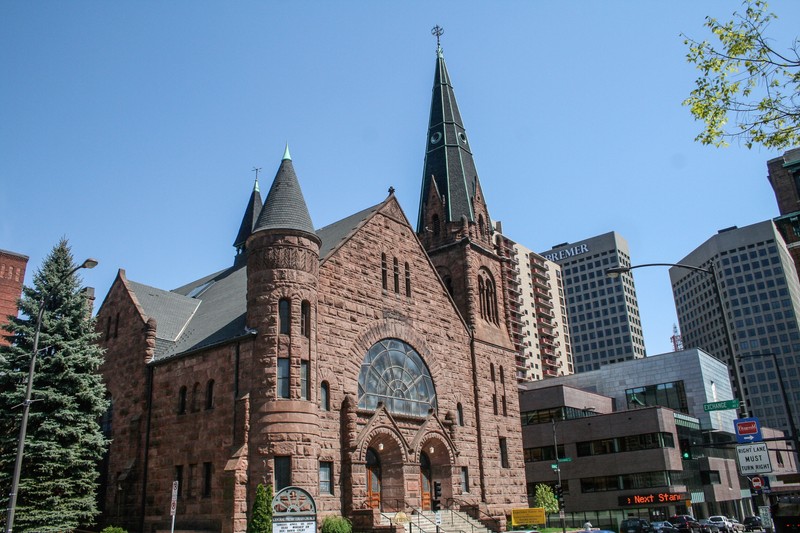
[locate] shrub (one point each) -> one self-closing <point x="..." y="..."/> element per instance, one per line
<point x="114" y="529"/>
<point x="336" y="524"/>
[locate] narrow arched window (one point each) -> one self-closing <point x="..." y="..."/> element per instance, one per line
<point x="460" y="414"/>
<point x="487" y="297"/>
<point x="448" y="284"/>
<point x="482" y="297"/>
<point x="481" y="229"/>
<point x="324" y="396"/>
<point x="210" y="394"/>
<point x="437" y="226"/>
<point x="491" y="370"/>
<point x="284" y="316"/>
<point x="384" y="273"/>
<point x="182" y="400"/>
<point x="408" y="280"/>
<point x="396" y="275"/>
<point x="502" y="375"/>
<point x="305" y="319"/>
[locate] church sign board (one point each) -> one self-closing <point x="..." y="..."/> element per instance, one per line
<point x="294" y="511"/>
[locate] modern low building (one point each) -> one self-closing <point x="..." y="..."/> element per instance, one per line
<point x="538" y="320"/>
<point x="759" y="336"/>
<point x="603" y="312"/>
<point x="614" y="424"/>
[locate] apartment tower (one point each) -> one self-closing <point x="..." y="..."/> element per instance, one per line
<point x="603" y="312"/>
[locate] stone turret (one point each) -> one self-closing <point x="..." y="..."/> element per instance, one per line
<point x="282" y="280"/>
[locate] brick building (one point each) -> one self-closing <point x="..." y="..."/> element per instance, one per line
<point x="360" y="362"/>
<point x="784" y="177"/>
<point x="12" y="276"/>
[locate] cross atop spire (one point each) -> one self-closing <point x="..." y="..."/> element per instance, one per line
<point x="438" y="31"/>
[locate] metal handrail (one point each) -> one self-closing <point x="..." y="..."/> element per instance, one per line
<point x="488" y="518"/>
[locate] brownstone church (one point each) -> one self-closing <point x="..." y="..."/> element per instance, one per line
<point x="362" y="362"/>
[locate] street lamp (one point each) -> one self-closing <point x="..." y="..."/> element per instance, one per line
<point x="615" y="272"/>
<point x="12" y="501"/>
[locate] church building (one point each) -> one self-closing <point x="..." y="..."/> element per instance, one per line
<point x="362" y="362"/>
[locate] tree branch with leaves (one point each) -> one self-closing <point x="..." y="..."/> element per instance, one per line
<point x="749" y="90"/>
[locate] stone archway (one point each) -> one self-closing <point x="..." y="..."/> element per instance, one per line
<point x="384" y="463"/>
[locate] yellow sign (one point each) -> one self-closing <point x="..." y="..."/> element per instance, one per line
<point x="401" y="518"/>
<point x="532" y="515"/>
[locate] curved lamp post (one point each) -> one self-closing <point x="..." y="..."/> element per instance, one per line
<point x="615" y="272"/>
<point x="12" y="501"/>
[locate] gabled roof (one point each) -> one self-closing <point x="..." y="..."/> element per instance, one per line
<point x="448" y="159"/>
<point x="171" y="311"/>
<point x="212" y="309"/>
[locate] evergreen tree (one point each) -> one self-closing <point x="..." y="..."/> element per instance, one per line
<point x="261" y="519"/>
<point x="64" y="443"/>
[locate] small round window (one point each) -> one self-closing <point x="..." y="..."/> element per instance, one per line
<point x="462" y="137"/>
<point x="436" y="137"/>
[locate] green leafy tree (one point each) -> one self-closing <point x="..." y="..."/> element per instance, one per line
<point x="745" y="81"/>
<point x="64" y="443"/>
<point x="545" y="497"/>
<point x="261" y="519"/>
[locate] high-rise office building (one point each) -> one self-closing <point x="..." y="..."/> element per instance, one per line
<point x="760" y="293"/>
<point x="537" y="308"/>
<point x="603" y="312"/>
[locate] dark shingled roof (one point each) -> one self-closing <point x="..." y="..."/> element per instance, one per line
<point x="212" y="309"/>
<point x="250" y="217"/>
<point x="171" y="311"/>
<point x="285" y="207"/>
<point x="448" y="159"/>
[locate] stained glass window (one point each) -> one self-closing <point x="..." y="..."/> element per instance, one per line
<point x="394" y="373"/>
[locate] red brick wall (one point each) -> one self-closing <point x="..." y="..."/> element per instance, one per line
<point x="12" y="276"/>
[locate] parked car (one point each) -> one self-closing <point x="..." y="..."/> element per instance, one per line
<point x="737" y="526"/>
<point x="685" y="523"/>
<point x="724" y="525"/>
<point x="753" y="523"/>
<point x="635" y="525"/>
<point x="664" y="527"/>
<point x="707" y="526"/>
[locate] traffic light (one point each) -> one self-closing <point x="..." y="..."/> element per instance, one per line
<point x="560" y="496"/>
<point x="436" y="501"/>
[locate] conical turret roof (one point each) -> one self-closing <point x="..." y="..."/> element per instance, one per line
<point x="285" y="208"/>
<point x="250" y="217"/>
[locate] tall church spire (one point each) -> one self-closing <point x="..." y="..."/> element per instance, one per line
<point x="450" y="175"/>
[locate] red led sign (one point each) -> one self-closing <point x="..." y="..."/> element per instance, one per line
<point x="651" y="498"/>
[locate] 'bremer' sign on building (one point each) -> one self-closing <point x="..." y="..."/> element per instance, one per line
<point x="567" y="252"/>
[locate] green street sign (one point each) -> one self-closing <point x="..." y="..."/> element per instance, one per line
<point x="554" y="466"/>
<point x="564" y="459"/>
<point x="721" y="406"/>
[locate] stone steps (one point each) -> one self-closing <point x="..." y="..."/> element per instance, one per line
<point x="425" y="522"/>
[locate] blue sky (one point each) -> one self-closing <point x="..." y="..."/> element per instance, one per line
<point x="131" y="128"/>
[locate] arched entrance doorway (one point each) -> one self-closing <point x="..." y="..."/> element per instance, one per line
<point x="425" y="477"/>
<point x="373" y="479"/>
